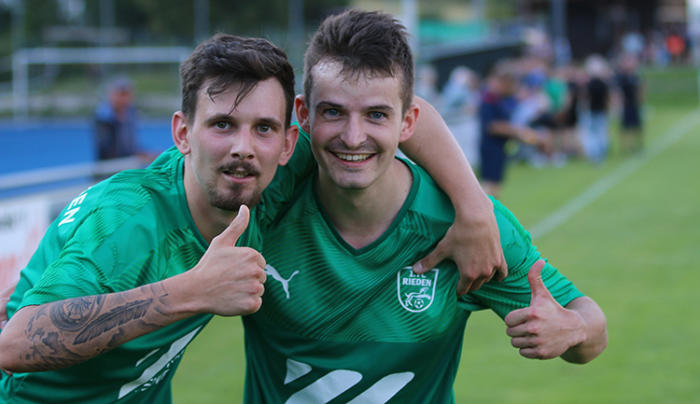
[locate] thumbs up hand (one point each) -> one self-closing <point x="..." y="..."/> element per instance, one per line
<point x="545" y="329"/>
<point x="228" y="280"/>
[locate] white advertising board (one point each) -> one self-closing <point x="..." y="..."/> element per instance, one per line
<point x="22" y="225"/>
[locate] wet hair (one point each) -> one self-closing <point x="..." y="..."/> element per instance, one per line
<point x="364" y="42"/>
<point x="226" y="60"/>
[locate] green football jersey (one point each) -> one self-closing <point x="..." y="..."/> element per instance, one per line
<point x="132" y="229"/>
<point x="356" y="325"/>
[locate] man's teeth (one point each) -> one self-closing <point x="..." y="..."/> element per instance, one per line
<point x="353" y="157"/>
<point x="237" y="173"/>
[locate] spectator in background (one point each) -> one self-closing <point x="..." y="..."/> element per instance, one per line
<point x="595" y="126"/>
<point x="115" y="122"/>
<point x="633" y="43"/>
<point x="655" y="51"/>
<point x="533" y="111"/>
<point x="460" y="94"/>
<point x="629" y="84"/>
<point x="459" y="103"/>
<point x="675" y="45"/>
<point x="426" y="85"/>
<point x="556" y="89"/>
<point x="498" y="104"/>
<point x="575" y="82"/>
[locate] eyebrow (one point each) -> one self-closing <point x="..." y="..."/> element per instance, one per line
<point x="218" y="117"/>
<point x="329" y="104"/>
<point x="381" y="107"/>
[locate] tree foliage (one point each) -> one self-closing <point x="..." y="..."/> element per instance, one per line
<point x="165" y="21"/>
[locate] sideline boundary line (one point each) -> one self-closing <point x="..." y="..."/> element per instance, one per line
<point x="595" y="191"/>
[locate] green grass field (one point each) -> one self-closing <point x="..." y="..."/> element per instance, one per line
<point x="634" y="249"/>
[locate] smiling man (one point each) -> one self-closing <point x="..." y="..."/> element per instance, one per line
<point x="354" y="322"/>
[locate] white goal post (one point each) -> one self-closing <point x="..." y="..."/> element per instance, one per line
<point x="22" y="58"/>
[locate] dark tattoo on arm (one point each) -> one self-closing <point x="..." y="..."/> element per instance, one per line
<point x="57" y="354"/>
<point x="47" y="352"/>
<point x="73" y="314"/>
<point x="84" y="320"/>
<point x="115" y="317"/>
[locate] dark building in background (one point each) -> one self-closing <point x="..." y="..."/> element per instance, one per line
<point x="479" y="57"/>
<point x="587" y="26"/>
<point x="597" y="26"/>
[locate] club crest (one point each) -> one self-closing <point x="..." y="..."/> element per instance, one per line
<point x="416" y="292"/>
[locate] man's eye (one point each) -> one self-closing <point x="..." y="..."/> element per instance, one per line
<point x="264" y="128"/>
<point x="377" y="115"/>
<point x="331" y="112"/>
<point x="222" y="125"/>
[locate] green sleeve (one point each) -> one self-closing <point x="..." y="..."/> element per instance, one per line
<point x="109" y="247"/>
<point x="514" y="292"/>
<point x="87" y="267"/>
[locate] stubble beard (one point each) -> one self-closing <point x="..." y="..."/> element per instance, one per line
<point x="235" y="194"/>
<point x="235" y="199"/>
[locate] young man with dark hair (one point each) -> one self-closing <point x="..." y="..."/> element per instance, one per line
<point x="138" y="255"/>
<point x="496" y="110"/>
<point x="135" y="266"/>
<point x="347" y="318"/>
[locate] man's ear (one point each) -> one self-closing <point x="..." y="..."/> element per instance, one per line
<point x="302" y="112"/>
<point x="290" y="141"/>
<point x="180" y="131"/>
<point x="408" y="125"/>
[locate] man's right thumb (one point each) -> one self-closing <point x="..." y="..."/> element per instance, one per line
<point x="534" y="278"/>
<point x="238" y="225"/>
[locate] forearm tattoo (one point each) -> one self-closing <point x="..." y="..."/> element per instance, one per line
<point x="82" y="320"/>
<point x="73" y="314"/>
<point x="115" y="317"/>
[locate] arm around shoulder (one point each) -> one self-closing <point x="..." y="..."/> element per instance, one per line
<point x="473" y="242"/>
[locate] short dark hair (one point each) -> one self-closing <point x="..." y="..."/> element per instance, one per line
<point x="228" y="59"/>
<point x="363" y="42"/>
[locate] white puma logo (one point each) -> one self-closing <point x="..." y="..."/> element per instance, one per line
<point x="270" y="270"/>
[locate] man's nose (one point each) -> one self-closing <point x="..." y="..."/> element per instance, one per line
<point x="242" y="144"/>
<point x="354" y="134"/>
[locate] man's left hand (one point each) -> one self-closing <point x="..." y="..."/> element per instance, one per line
<point x="545" y="329"/>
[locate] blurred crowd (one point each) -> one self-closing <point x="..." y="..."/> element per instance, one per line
<point x="534" y="111"/>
